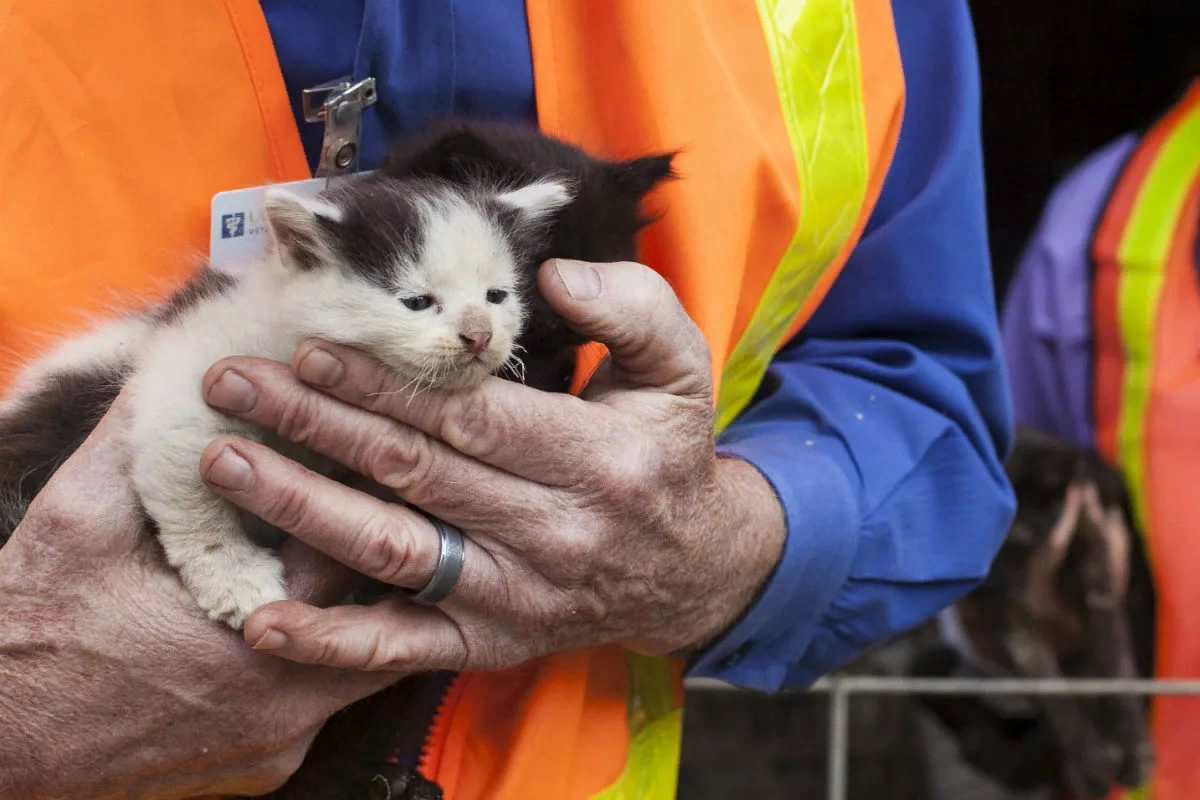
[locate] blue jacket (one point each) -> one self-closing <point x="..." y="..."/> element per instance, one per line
<point x="885" y="428"/>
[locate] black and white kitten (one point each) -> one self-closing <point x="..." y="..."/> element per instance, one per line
<point x="426" y="264"/>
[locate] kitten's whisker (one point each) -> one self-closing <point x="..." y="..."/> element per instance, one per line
<point x="515" y="366"/>
<point x="392" y="391"/>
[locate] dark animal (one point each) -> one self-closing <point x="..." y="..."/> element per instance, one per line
<point x="1069" y="595"/>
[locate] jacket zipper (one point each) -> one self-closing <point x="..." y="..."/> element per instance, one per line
<point x="424" y="753"/>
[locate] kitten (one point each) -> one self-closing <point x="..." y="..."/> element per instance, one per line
<point x="426" y="276"/>
<point x="428" y="264"/>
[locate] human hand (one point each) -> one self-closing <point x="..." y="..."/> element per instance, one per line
<point x="593" y="521"/>
<point x="113" y="683"/>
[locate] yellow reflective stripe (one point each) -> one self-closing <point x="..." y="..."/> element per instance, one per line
<point x="814" y="54"/>
<point x="1142" y="256"/>
<point x="813" y="46"/>
<point x="656" y="731"/>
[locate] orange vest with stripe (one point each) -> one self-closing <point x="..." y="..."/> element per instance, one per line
<point x="1146" y="385"/>
<point x="122" y="119"/>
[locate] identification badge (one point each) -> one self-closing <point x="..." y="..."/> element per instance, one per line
<point x="238" y="230"/>
<point x="239" y="225"/>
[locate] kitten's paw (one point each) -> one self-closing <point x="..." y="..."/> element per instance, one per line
<point x="230" y="589"/>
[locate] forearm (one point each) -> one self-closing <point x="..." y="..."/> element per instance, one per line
<point x="29" y="689"/>
<point x="61" y="733"/>
<point x="750" y="523"/>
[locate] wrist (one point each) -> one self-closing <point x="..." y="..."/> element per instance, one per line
<point x="757" y="521"/>
<point x="748" y="541"/>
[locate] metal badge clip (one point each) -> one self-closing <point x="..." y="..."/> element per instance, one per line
<point x="339" y="104"/>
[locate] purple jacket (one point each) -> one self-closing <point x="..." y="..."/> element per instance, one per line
<point x="1046" y="324"/>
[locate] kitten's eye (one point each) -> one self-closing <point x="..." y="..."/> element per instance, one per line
<point x="418" y="303"/>
<point x="496" y="295"/>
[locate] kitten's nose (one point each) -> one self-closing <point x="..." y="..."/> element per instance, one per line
<point x="476" y="341"/>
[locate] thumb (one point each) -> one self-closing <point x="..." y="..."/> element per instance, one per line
<point x="633" y="311"/>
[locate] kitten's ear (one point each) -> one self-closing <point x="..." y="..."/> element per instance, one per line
<point x="300" y="227"/>
<point x="536" y="201"/>
<point x="636" y="178"/>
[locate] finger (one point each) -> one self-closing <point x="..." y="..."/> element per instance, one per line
<point x="1119" y="541"/>
<point x="1066" y="525"/>
<point x="552" y="439"/>
<point x="633" y="311"/>
<point x="424" y="471"/>
<point x="389" y="636"/>
<point x="381" y="540"/>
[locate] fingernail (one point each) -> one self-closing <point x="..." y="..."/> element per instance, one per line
<point x="320" y="367"/>
<point x="582" y="280"/>
<point x="232" y="392"/>
<point x="270" y="640"/>
<point x="231" y="471"/>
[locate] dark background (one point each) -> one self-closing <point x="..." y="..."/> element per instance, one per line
<point x="1060" y="79"/>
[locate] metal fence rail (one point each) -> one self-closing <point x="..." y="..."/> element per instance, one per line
<point x="840" y="689"/>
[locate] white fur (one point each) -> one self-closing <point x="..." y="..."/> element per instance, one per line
<point x="278" y="200"/>
<point x="109" y="344"/>
<point x="536" y="200"/>
<point x="267" y="314"/>
<point x="201" y="533"/>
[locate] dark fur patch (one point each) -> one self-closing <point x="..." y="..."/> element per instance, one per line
<point x="204" y="284"/>
<point x="51" y="423"/>
<point x="379" y="224"/>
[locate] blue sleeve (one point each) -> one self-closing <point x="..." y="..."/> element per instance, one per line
<point x="884" y="425"/>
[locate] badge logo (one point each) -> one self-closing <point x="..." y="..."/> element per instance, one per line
<point x="233" y="225"/>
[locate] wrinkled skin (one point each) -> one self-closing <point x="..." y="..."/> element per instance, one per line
<point x="113" y="683"/>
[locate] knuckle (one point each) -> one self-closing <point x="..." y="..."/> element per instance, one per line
<point x="634" y="475"/>
<point x="404" y="464"/>
<point x="575" y="561"/>
<point x="329" y="650"/>
<point x="377" y="653"/>
<point x="382" y="550"/>
<point x="393" y="654"/>
<point x="377" y="390"/>
<point x="288" y="508"/>
<point x="470" y="424"/>
<point x="299" y="418"/>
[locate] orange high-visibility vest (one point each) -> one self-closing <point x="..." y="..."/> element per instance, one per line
<point x="1146" y="385"/>
<point x="122" y="119"/>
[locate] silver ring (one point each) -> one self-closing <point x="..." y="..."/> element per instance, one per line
<point x="449" y="564"/>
